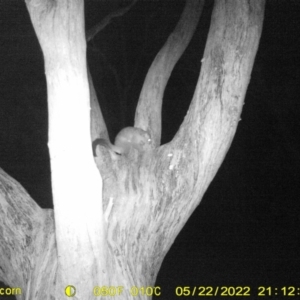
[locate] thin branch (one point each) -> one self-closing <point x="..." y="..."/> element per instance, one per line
<point x="102" y="24"/>
<point x="148" y="112"/>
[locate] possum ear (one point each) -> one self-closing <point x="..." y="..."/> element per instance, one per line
<point x="95" y="143"/>
<point x="106" y="144"/>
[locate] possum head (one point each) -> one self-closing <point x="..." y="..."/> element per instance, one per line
<point x="131" y="137"/>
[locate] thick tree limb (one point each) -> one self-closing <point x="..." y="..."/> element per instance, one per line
<point x="184" y="168"/>
<point x="76" y="182"/>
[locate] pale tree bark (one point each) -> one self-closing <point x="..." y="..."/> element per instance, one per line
<point x="28" y="257"/>
<point x="147" y="197"/>
<point x="79" y="224"/>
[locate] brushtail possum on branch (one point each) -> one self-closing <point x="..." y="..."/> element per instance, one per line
<point x="126" y="139"/>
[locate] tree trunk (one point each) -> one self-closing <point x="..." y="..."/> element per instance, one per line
<point x="76" y="182"/>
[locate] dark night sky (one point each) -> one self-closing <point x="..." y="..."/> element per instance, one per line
<point x="245" y="231"/>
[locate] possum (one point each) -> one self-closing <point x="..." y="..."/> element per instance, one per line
<point x="127" y="138"/>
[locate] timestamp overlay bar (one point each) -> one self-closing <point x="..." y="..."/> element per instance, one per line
<point x="238" y="291"/>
